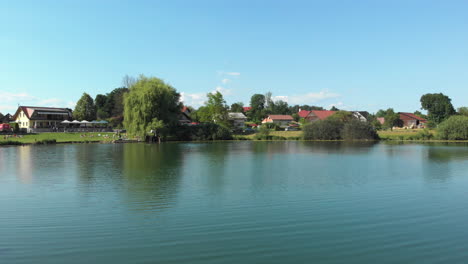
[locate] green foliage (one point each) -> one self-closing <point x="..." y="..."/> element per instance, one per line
<point x="85" y="109"/>
<point x="323" y="130"/>
<point x="257" y="113"/>
<point x="334" y="108"/>
<point x="237" y="107"/>
<point x="296" y="117"/>
<point x="111" y="105"/>
<point x="150" y="98"/>
<point x="343" y="116"/>
<point x="202" y="132"/>
<point x="15" y="127"/>
<point x="463" y="111"/>
<point x="376" y="124"/>
<point x="431" y="124"/>
<point x="438" y="106"/>
<point x="215" y="110"/>
<point x="357" y="130"/>
<point x="46" y="142"/>
<point x="392" y="119"/>
<point x="425" y="134"/>
<point x="264" y="131"/>
<point x="454" y="128"/>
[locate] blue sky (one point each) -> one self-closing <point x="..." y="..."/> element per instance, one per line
<point x="362" y="55"/>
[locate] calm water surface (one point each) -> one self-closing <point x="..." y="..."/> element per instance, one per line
<point x="236" y="202"/>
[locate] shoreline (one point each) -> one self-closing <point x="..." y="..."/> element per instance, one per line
<point x="130" y="141"/>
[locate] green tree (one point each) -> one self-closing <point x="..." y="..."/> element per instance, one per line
<point x="463" y="111"/>
<point x="343" y="116"/>
<point x="257" y="113"/>
<point x="334" y="108"/>
<point x="150" y="101"/>
<point x="215" y="110"/>
<point x="438" y="106"/>
<point x="454" y="128"/>
<point x="237" y="107"/>
<point x="85" y="108"/>
<point x="392" y="119"/>
<point x="100" y="102"/>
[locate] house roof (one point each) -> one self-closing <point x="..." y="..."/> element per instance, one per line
<point x="381" y="120"/>
<point x="410" y="116"/>
<point x="280" y="117"/>
<point x="322" y="114"/>
<point x="247" y="108"/>
<point x="29" y="110"/>
<point x="236" y="116"/>
<point x="303" y="113"/>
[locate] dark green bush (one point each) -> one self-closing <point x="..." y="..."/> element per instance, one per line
<point x="454" y="128"/>
<point x="323" y="130"/>
<point x="424" y="135"/>
<point x="357" y="130"/>
<point x="201" y="132"/>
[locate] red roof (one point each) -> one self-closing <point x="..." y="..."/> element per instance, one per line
<point x="303" y="113"/>
<point x="281" y="117"/>
<point x="322" y="114"/>
<point x="247" y="108"/>
<point x="410" y="116"/>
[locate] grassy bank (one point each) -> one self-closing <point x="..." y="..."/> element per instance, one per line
<point x="57" y="137"/>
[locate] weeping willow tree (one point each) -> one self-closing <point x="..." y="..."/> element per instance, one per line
<point x="151" y="104"/>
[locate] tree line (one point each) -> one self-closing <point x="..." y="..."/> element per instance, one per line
<point x="149" y="104"/>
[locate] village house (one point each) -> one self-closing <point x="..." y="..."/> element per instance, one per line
<point x="361" y="115"/>
<point x="237" y="120"/>
<point x="184" y="116"/>
<point x="316" y="115"/>
<point x="280" y="120"/>
<point x="40" y="119"/>
<point x="411" y="120"/>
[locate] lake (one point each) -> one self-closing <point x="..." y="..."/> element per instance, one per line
<point x="234" y="202"/>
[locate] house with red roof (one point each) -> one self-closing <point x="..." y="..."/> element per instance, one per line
<point x="316" y="115"/>
<point x="411" y="120"/>
<point x="303" y="113"/>
<point x="184" y="116"/>
<point x="281" y="120"/>
<point x="246" y="108"/>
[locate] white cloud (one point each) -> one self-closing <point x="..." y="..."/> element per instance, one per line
<point x="194" y="100"/>
<point x="308" y="98"/>
<point x="15" y="97"/>
<point x="225" y="81"/>
<point x="229" y="73"/>
<point x="222" y="90"/>
<point x="233" y="73"/>
<point x="12" y="100"/>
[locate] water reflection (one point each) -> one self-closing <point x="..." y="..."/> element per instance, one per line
<point x="152" y="173"/>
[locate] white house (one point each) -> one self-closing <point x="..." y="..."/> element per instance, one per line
<point x="237" y="119"/>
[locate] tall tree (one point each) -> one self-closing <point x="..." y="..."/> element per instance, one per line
<point x="237" y="107"/>
<point x="128" y="81"/>
<point x="150" y="101"/>
<point x="257" y="102"/>
<point x="463" y="111"/>
<point x="100" y="102"/>
<point x="215" y="110"/>
<point x="439" y="107"/>
<point x="392" y="119"/>
<point x="281" y="108"/>
<point x="85" y="108"/>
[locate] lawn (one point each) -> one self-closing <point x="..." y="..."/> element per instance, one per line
<point x="401" y="134"/>
<point x="61" y="137"/>
<point x="286" y="134"/>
